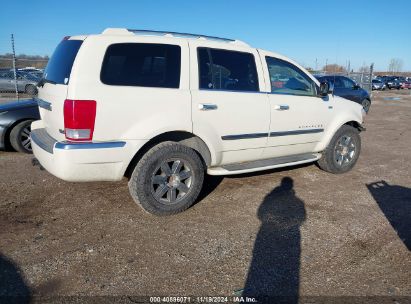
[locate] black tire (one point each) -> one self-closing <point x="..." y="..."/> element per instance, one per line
<point x="366" y="104"/>
<point x="330" y="160"/>
<point x="149" y="180"/>
<point x="30" y="89"/>
<point x="20" y="137"/>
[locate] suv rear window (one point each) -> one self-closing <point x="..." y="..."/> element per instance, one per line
<point x="142" y="64"/>
<point x="59" y="66"/>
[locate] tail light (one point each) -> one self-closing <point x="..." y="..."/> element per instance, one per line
<point x="79" y="119"/>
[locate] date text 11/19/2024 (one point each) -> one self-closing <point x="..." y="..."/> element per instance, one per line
<point x="202" y="299"/>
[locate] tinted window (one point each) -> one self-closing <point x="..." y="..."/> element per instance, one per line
<point x="142" y="64"/>
<point x="347" y="83"/>
<point x="227" y="70"/>
<point x="286" y="78"/>
<point x="59" y="66"/>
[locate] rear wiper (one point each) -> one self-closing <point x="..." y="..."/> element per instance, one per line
<point x="43" y="81"/>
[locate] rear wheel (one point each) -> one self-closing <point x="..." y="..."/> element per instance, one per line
<point x="342" y="152"/>
<point x="20" y="137"/>
<point x="168" y="179"/>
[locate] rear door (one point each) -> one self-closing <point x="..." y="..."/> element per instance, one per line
<point x="229" y="110"/>
<point x="55" y="84"/>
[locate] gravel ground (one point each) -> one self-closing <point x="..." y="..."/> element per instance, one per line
<point x="298" y="232"/>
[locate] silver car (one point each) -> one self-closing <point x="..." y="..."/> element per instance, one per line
<point x="378" y="85"/>
<point x="25" y="82"/>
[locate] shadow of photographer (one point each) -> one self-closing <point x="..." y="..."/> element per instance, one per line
<point x="275" y="266"/>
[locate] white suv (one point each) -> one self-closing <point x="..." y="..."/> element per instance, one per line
<point x="162" y="109"/>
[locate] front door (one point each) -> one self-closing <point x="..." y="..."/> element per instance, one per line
<point x="298" y="115"/>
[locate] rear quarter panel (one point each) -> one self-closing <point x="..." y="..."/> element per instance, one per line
<point x="130" y="112"/>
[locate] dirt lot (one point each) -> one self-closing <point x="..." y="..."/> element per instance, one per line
<point x="331" y="235"/>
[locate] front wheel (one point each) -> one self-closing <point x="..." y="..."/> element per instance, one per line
<point x="366" y="103"/>
<point x="168" y="179"/>
<point x="342" y="152"/>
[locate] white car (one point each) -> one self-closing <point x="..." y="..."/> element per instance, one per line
<point x="163" y="109"/>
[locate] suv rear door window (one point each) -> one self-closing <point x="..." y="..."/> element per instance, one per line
<point x="59" y="66"/>
<point x="227" y="70"/>
<point x="142" y="64"/>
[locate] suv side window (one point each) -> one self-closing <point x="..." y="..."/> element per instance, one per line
<point x="348" y="83"/>
<point x="285" y="78"/>
<point x="142" y="64"/>
<point x="227" y="70"/>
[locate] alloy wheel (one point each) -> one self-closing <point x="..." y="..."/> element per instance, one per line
<point x="344" y="151"/>
<point x="171" y="181"/>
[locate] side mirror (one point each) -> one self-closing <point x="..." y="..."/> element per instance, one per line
<point x="326" y="88"/>
<point x="356" y="87"/>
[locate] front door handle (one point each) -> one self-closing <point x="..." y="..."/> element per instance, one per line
<point x="207" y="106"/>
<point x="282" y="107"/>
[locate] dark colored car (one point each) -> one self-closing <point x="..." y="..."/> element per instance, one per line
<point x="391" y="82"/>
<point x="348" y="89"/>
<point x="15" y="121"/>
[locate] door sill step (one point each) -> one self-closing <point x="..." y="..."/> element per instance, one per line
<point x="265" y="164"/>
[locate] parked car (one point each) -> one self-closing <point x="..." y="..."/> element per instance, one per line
<point x="348" y="89"/>
<point x="25" y="82"/>
<point x="163" y="109"/>
<point x="38" y="73"/>
<point x="15" y="120"/>
<point x="407" y="84"/>
<point x="392" y="83"/>
<point x="378" y="85"/>
<point x="401" y="81"/>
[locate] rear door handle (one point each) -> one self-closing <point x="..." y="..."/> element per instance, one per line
<point x="207" y="106"/>
<point x="282" y="107"/>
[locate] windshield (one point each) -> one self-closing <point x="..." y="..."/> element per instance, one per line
<point x="59" y="66"/>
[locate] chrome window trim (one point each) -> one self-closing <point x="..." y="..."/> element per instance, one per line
<point x="257" y="92"/>
<point x="233" y="91"/>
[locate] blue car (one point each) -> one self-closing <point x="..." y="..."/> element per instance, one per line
<point x="348" y="89"/>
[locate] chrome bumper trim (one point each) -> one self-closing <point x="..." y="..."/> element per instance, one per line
<point x="66" y="145"/>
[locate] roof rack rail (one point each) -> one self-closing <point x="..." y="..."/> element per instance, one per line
<point x="183" y="35"/>
<point x="123" y="31"/>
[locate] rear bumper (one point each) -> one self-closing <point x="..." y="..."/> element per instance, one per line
<point x="95" y="161"/>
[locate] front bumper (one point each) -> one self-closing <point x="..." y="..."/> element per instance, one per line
<point x="2" y="137"/>
<point x="94" y="161"/>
